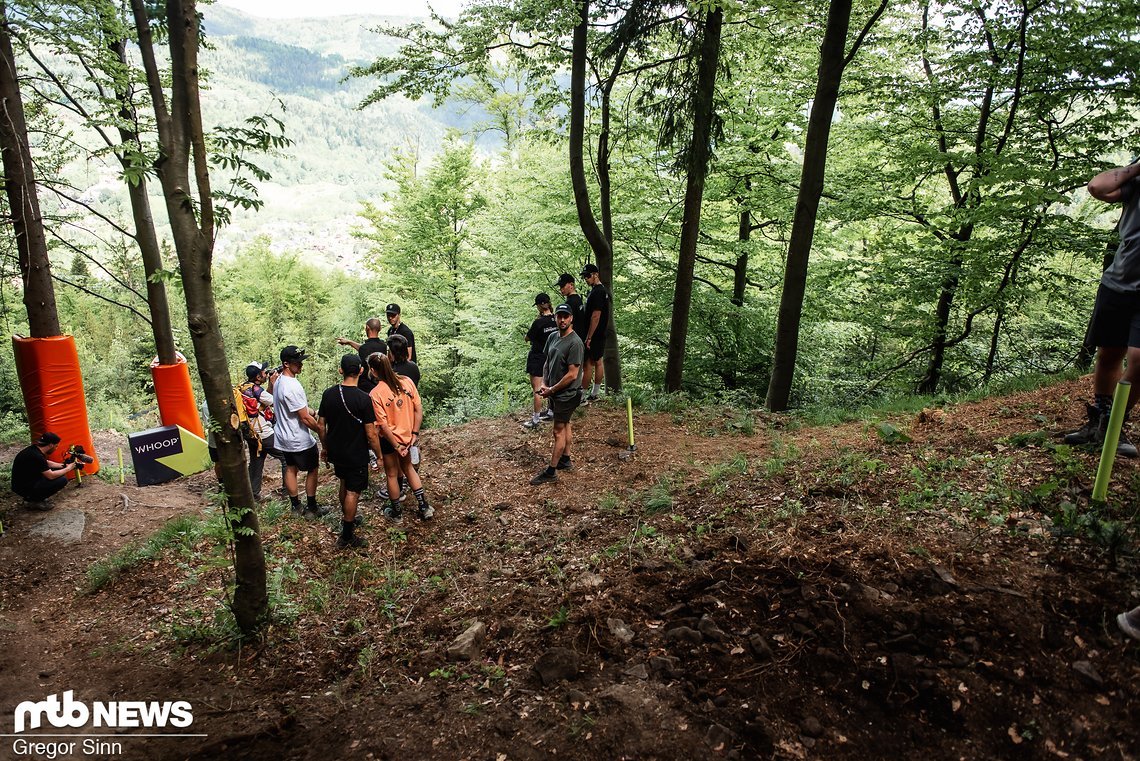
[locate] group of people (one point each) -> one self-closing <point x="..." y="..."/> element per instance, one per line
<point x="567" y="344"/>
<point x="1116" y="327"/>
<point x="373" y="414"/>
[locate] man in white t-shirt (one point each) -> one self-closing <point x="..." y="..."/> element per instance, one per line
<point x="293" y="432"/>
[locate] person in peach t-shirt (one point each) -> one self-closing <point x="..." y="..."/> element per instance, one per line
<point x="399" y="415"/>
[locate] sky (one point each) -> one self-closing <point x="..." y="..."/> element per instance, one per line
<point x="309" y="9"/>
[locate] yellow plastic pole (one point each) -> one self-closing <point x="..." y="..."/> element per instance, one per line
<point x="122" y="476"/>
<point x="1111" y="439"/>
<point x="629" y="414"/>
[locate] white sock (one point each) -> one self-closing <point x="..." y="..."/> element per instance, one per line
<point x="594" y="389"/>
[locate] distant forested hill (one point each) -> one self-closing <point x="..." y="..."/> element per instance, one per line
<point x="258" y="65"/>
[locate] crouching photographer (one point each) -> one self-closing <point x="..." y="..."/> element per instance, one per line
<point x="36" y="478"/>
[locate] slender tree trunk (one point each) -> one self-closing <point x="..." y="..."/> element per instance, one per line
<point x="740" y="269"/>
<point x="181" y="140"/>
<point x="145" y="236"/>
<point x="23" y="203"/>
<point x="831" y="64"/>
<point x="694" y="195"/>
<point x="611" y="358"/>
<point x="601" y="243"/>
<point x="995" y="337"/>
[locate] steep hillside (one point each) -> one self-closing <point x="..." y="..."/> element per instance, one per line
<point x="936" y="586"/>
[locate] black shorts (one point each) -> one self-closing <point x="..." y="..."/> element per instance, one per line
<point x="386" y="446"/>
<point x="1116" y="319"/>
<point x="597" y="347"/>
<point x="306" y="460"/>
<point x="534" y="365"/>
<point x="213" y="453"/>
<point x="563" y="411"/>
<point x="355" y="477"/>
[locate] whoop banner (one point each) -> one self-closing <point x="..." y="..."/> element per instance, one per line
<point x="163" y="454"/>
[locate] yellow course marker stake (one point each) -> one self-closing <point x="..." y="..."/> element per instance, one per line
<point x="629" y="414"/>
<point x="1111" y="439"/>
<point x="122" y="476"/>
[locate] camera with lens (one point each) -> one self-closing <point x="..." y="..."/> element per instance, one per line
<point x="78" y="455"/>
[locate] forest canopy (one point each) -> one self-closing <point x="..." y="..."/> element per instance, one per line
<point x="954" y="245"/>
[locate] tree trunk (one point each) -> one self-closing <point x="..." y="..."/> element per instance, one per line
<point x="694" y="194"/>
<point x="991" y="356"/>
<point x="740" y="269"/>
<point x="611" y="358"/>
<point x="601" y="243"/>
<point x="181" y="139"/>
<point x="23" y="203"/>
<point x="831" y="64"/>
<point x="929" y="382"/>
<point x="145" y="236"/>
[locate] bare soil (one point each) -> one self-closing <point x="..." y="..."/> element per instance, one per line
<point x="936" y="588"/>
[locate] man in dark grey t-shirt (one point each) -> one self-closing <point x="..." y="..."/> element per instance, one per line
<point x="561" y="383"/>
<point x="1116" y="315"/>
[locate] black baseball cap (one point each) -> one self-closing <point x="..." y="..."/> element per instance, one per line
<point x="350" y="365"/>
<point x="563" y="279"/>
<point x="254" y="369"/>
<point x="589" y="269"/>
<point x="392" y="309"/>
<point x="564" y="309"/>
<point x="541" y="298"/>
<point x="46" y="438"/>
<point x="292" y="354"/>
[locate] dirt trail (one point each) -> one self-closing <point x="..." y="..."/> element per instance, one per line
<point x="813" y="593"/>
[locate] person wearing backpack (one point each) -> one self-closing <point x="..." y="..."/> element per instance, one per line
<point x="257" y="401"/>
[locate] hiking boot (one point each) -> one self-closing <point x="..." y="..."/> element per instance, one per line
<point x="545" y="476"/>
<point x="311" y="513"/>
<point x="564" y="463"/>
<point x="1129" y="622"/>
<point x="1124" y="445"/>
<point x="1087" y="433"/>
<point x="393" y="514"/>
<point x="350" y="542"/>
<point x="427" y="512"/>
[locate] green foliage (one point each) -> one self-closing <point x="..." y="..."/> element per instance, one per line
<point x="184" y="531"/>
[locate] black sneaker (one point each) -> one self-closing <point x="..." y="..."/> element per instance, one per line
<point x="311" y="513"/>
<point x="393" y="514"/>
<point x="1087" y="433"/>
<point x="358" y="521"/>
<point x="1124" y="445"/>
<point x="564" y="463"/>
<point x="343" y="543"/>
<point x="427" y="512"/>
<point x="544" y="477"/>
<point x="592" y="398"/>
<point x="546" y="414"/>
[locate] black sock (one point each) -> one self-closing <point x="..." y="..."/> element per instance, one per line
<point x="395" y="505"/>
<point x="346" y="530"/>
<point x="311" y="502"/>
<point x="420" y="498"/>
<point x="550" y="470"/>
<point x="1103" y="403"/>
<point x="564" y="458"/>
<point x="296" y="501"/>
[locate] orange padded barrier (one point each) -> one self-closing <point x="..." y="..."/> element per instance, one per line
<point x="48" y="369"/>
<point x="176" y="396"/>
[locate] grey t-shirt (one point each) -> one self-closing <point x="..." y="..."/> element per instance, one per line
<point x="1123" y="275"/>
<point x="561" y="352"/>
